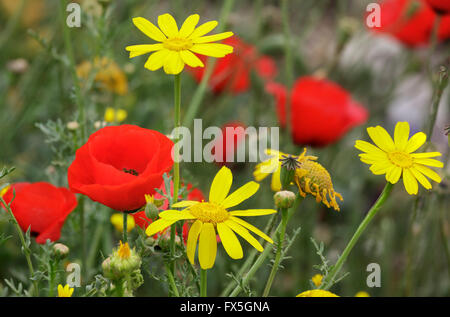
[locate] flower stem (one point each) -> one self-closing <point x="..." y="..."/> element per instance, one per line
<point x="125" y="227"/>
<point x="277" y="261"/>
<point x="203" y="282"/>
<point x="331" y="276"/>
<point x="172" y="284"/>
<point x="25" y="248"/>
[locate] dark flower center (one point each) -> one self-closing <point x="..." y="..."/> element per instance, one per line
<point x="131" y="171"/>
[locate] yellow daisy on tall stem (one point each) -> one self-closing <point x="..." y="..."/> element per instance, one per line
<point x="212" y="217"/>
<point x="395" y="159"/>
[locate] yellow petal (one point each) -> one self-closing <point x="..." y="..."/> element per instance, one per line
<point x="252" y="212"/>
<point x="185" y="203"/>
<point x="416" y="141"/>
<point x="410" y="182"/>
<point x="189" y="58"/>
<point x="394" y="175"/>
<point x="428" y="172"/>
<point x="425" y="155"/>
<point x="203" y="29"/>
<point x="275" y="184"/>
<point x="422" y="179"/>
<point x="156" y="60"/>
<point x="149" y="29"/>
<point x="158" y="226"/>
<point x="251" y="228"/>
<point x="189" y="25"/>
<point x="230" y="242"/>
<point x="221" y="185"/>
<point x="381" y="138"/>
<point x="194" y="232"/>
<point x="213" y="38"/>
<point x="137" y="50"/>
<point x="244" y="234"/>
<point x="241" y="194"/>
<point x="207" y="248"/>
<point x="369" y="149"/>
<point x="175" y="215"/>
<point x="212" y="49"/>
<point x="401" y="135"/>
<point x="173" y="64"/>
<point x="168" y="25"/>
<point x="429" y="162"/>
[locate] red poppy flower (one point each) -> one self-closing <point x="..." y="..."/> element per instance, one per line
<point x="41" y="207"/>
<point x="225" y="147"/>
<point x="411" y="22"/>
<point x="321" y="111"/>
<point x="232" y="72"/>
<point x="141" y="220"/>
<point x="440" y="6"/>
<point x="119" y="165"/>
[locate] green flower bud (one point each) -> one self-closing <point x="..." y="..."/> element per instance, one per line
<point x="151" y="211"/>
<point x="284" y="199"/>
<point x="121" y="263"/>
<point x="60" y="250"/>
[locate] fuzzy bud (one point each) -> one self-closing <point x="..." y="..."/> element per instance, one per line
<point x="60" y="250"/>
<point x="284" y="199"/>
<point x="121" y="263"/>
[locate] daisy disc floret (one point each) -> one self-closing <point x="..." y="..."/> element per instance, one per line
<point x="396" y="158"/>
<point x="212" y="217"/>
<point x="178" y="47"/>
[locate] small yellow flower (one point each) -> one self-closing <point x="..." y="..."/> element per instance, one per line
<point x="317" y="279"/>
<point x="112" y="115"/>
<point x="4" y="190"/>
<point x="317" y="293"/>
<point x="213" y="215"/>
<point x="107" y="73"/>
<point x="362" y="294"/>
<point x="124" y="251"/>
<point x="117" y="221"/>
<point x="65" y="291"/>
<point x="395" y="158"/>
<point x="176" y="47"/>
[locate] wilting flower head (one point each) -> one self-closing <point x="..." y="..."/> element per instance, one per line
<point x="321" y="111"/>
<point x="440" y="6"/>
<point x="118" y="165"/>
<point x="233" y="72"/>
<point x="107" y="73"/>
<point x="178" y="47"/>
<point x="317" y="293"/>
<point x="65" y="291"/>
<point x="41" y="207"/>
<point x="395" y="158"/>
<point x="412" y="21"/>
<point x="213" y="216"/>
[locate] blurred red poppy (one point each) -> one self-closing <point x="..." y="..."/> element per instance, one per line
<point x="142" y="221"/>
<point x="226" y="146"/>
<point x="440" y="6"/>
<point x="232" y="72"/>
<point x="321" y="111"/>
<point x="411" y="21"/>
<point x="41" y="207"/>
<point x="119" y="165"/>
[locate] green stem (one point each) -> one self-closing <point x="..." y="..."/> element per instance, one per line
<point x="125" y="227"/>
<point x="172" y="284"/>
<point x="277" y="261"/>
<point x="439" y="87"/>
<point x="203" y="282"/>
<point x="331" y="276"/>
<point x="199" y="93"/>
<point x="25" y="248"/>
<point x="288" y="62"/>
<point x="51" y="278"/>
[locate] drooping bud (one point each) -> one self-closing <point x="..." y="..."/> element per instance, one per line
<point x="284" y="199"/>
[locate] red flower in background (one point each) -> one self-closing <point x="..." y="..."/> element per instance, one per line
<point x="142" y="221"/>
<point x="232" y="73"/>
<point x="411" y="21"/>
<point x="225" y="148"/>
<point x="41" y="207"/>
<point x="440" y="6"/>
<point x="321" y="111"/>
<point x="118" y="165"/>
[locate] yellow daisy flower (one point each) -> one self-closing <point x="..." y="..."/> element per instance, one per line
<point x="117" y="221"/>
<point x="112" y="115"/>
<point x="65" y="291"/>
<point x="395" y="158"/>
<point x="317" y="293"/>
<point x="176" y="47"/>
<point x="213" y="216"/>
